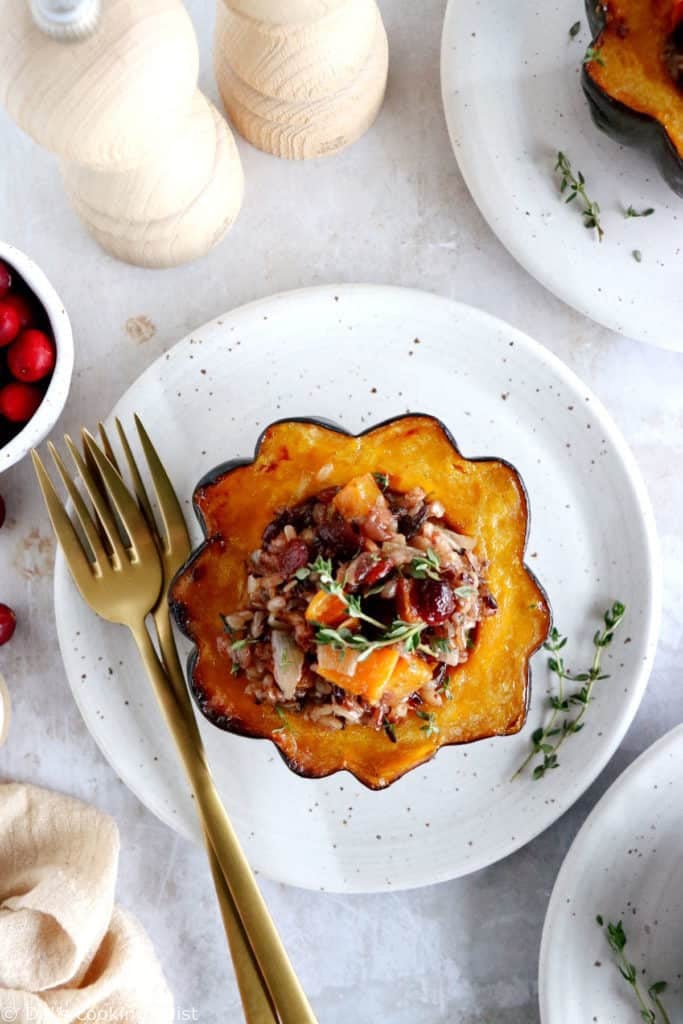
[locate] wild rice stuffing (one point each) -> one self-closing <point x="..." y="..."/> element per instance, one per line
<point x="359" y="600"/>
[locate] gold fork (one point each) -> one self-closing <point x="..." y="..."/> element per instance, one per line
<point x="123" y="586"/>
<point x="173" y="543"/>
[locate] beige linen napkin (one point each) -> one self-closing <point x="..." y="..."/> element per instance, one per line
<point x="66" y="952"/>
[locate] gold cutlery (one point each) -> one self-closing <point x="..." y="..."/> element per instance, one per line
<point x="122" y="583"/>
<point x="173" y="544"/>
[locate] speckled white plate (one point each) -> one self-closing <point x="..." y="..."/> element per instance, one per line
<point x="512" y="94"/>
<point x="358" y="355"/>
<point x="625" y="864"/>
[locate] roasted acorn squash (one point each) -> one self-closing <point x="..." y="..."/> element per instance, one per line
<point x="484" y="498"/>
<point x="632" y="83"/>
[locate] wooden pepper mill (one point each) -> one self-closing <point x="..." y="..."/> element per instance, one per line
<point x="301" y="78"/>
<point x="148" y="163"/>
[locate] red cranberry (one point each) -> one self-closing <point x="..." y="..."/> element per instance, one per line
<point x="10" y="324"/>
<point x="8" y="623"/>
<point x="2" y="510"/>
<point x="5" y="279"/>
<point x="435" y="601"/>
<point x="378" y="571"/>
<point x="18" y="402"/>
<point x="22" y="307"/>
<point x="32" y="356"/>
<point x="292" y="557"/>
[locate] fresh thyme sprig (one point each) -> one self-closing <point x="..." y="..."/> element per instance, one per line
<point x="547" y="739"/>
<point x="407" y="633"/>
<point x="616" y="937"/>
<point x="577" y="187"/>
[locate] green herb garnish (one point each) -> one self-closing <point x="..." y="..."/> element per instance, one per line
<point x="637" y="255"/>
<point x="285" y="727"/>
<point x="425" y="566"/>
<point x="577" y="187"/>
<point x="239" y="645"/>
<point x="390" y="730"/>
<point x="407" y="633"/>
<point x="631" y="212"/>
<point x="616" y="937"/>
<point x="430" y="728"/>
<point x="593" y="54"/>
<point x="575" y="29"/>
<point x="382" y="480"/>
<point x="547" y="739"/>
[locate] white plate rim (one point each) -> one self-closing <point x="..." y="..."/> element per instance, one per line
<point x="541" y="271"/>
<point x="632" y="476"/>
<point x="555" y="904"/>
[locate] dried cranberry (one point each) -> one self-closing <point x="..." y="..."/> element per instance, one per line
<point x="338" y="538"/>
<point x="5" y="279"/>
<point x="294" y="556"/>
<point x="8" y="622"/>
<point x="435" y="601"/>
<point x="378" y="571"/>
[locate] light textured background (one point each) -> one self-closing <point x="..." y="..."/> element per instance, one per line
<point x="392" y="209"/>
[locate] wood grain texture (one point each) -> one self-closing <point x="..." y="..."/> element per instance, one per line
<point x="303" y="91"/>
<point x="172" y="209"/>
<point x="299" y="62"/>
<point x="110" y="100"/>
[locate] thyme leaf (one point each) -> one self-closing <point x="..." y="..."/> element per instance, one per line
<point x="425" y="566"/>
<point x="630" y="211"/>
<point x="575" y="29"/>
<point x="593" y="54"/>
<point x="430" y="728"/>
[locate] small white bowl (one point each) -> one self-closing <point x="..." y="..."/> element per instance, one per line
<point x="47" y="414"/>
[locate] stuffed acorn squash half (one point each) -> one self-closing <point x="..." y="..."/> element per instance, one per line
<point x="361" y="601"/>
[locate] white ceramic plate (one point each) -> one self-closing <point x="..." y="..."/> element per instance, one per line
<point x="513" y="98"/>
<point x="358" y="355"/>
<point x="626" y="864"/>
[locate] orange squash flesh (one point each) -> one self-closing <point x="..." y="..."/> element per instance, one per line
<point x="483" y="498"/>
<point x="632" y="69"/>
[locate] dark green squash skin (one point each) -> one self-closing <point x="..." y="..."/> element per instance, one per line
<point x="627" y="126"/>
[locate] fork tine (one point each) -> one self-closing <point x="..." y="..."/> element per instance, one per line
<point x="86" y="520"/>
<point x="100" y="504"/>
<point x="128" y="511"/>
<point x="140" y="489"/>
<point x="78" y="562"/>
<point x="169" y="505"/>
<point x="107" y="448"/>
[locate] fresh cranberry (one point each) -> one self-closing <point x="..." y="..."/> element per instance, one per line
<point x="22" y="307"/>
<point x="2" y="510"/>
<point x="8" y="623"/>
<point x="10" y="324"/>
<point x="294" y="556"/>
<point x="435" y="601"/>
<point x="18" y="402"/>
<point x="5" y="279"/>
<point x="32" y="356"/>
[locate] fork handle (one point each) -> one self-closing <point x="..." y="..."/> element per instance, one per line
<point x="253" y="993"/>
<point x="285" y="990"/>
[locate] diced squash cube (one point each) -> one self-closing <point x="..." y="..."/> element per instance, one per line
<point x="369" y="677"/>
<point x="411" y="674"/>
<point x="358" y="498"/>
<point x="327" y="609"/>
